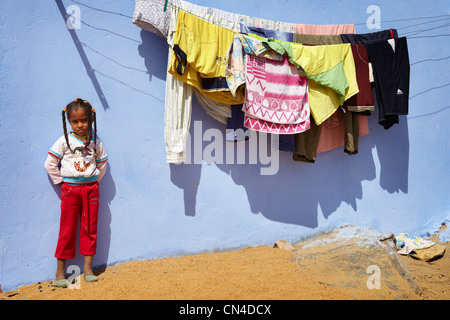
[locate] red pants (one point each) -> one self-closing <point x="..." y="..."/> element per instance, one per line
<point x="78" y="201"/>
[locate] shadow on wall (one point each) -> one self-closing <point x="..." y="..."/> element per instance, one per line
<point x="107" y="194"/>
<point x="393" y="153"/>
<point x="293" y="195"/>
<point x="187" y="177"/>
<point x="149" y="48"/>
<point x="154" y="50"/>
<point x="87" y="65"/>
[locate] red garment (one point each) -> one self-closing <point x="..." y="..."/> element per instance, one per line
<point x="364" y="98"/>
<point x="78" y="201"/>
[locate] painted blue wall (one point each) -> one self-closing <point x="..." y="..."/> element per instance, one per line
<point x="398" y="182"/>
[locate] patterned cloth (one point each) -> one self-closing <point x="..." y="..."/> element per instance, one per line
<point x="267" y="24"/>
<point x="276" y="99"/>
<point x="407" y="244"/>
<point x="150" y="16"/>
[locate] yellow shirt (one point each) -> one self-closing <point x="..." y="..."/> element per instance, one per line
<point x="199" y="57"/>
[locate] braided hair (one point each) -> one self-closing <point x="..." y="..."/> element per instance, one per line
<point x="92" y="119"/>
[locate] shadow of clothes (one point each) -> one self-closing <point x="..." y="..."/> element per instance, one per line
<point x="392" y="147"/>
<point x="154" y="50"/>
<point x="187" y="177"/>
<point x="296" y="192"/>
<point x="277" y="197"/>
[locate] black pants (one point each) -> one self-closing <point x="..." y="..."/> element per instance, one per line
<point x="391" y="74"/>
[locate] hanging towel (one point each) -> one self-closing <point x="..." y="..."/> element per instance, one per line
<point x="276" y="96"/>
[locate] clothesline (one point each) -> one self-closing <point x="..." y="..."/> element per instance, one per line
<point x="341" y="90"/>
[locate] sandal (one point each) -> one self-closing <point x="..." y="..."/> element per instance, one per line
<point x="90" y="278"/>
<point x="61" y="283"/>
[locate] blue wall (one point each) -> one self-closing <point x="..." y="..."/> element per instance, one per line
<point x="398" y="182"/>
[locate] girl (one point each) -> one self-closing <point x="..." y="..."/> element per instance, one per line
<point x="77" y="161"/>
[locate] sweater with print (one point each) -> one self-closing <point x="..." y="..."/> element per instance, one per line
<point x="83" y="164"/>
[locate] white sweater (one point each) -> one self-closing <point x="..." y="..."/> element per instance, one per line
<point x="82" y="166"/>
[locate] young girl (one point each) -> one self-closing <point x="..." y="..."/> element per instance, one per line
<point x="77" y="160"/>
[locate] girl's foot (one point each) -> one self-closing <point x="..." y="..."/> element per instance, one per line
<point x="90" y="278"/>
<point x="88" y="273"/>
<point x="60" y="276"/>
<point x="61" y="283"/>
<point x="60" y="280"/>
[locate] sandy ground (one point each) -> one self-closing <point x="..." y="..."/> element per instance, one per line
<point x="255" y="273"/>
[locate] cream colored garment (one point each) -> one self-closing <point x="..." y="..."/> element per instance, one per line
<point x="178" y="106"/>
<point x="178" y="95"/>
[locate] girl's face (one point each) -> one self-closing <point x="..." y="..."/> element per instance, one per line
<point x="79" y="121"/>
